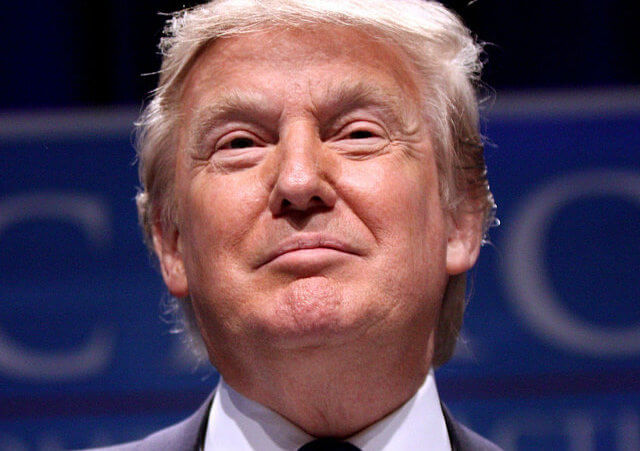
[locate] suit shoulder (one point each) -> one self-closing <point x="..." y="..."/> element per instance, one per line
<point x="183" y="436"/>
<point x="169" y="438"/>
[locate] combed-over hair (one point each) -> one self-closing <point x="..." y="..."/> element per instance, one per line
<point x="445" y="55"/>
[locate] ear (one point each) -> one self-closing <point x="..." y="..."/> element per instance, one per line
<point x="166" y="242"/>
<point x="464" y="240"/>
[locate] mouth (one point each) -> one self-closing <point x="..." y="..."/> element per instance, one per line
<point x="308" y="249"/>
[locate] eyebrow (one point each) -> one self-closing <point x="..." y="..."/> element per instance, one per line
<point x="232" y="105"/>
<point x="346" y="96"/>
<point x="334" y="102"/>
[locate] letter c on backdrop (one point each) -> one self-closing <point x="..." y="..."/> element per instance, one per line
<point x="90" y="215"/>
<point x="528" y="285"/>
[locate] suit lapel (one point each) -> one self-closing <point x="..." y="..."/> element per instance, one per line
<point x="464" y="439"/>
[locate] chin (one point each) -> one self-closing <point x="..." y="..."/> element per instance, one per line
<point x="306" y="313"/>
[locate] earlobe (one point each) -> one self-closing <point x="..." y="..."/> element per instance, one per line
<point x="464" y="240"/>
<point x="167" y="247"/>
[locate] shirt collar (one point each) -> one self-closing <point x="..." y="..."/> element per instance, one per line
<point x="238" y="423"/>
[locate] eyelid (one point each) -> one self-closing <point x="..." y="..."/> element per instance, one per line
<point x="362" y="125"/>
<point x="227" y="138"/>
<point x="360" y="148"/>
<point x="225" y="158"/>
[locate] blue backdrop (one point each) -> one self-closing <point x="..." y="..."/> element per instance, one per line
<point x="550" y="356"/>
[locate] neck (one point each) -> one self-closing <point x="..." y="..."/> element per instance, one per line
<point x="335" y="392"/>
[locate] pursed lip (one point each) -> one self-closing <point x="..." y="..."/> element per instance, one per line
<point x="309" y="241"/>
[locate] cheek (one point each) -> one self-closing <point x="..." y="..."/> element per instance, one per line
<point x="221" y="210"/>
<point x="396" y="199"/>
<point x="399" y="204"/>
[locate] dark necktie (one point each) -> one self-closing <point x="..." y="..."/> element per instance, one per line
<point x="328" y="444"/>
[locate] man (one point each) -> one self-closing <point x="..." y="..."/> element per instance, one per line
<point x="314" y="187"/>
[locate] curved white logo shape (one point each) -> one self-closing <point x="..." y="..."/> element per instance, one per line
<point x="529" y="287"/>
<point x="90" y="215"/>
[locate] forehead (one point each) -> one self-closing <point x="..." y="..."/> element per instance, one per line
<point x="317" y="61"/>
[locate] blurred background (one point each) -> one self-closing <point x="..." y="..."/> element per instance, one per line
<point x="550" y="355"/>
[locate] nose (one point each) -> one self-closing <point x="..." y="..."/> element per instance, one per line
<point x="303" y="181"/>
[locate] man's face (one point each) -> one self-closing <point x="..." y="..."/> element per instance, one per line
<point x="307" y="193"/>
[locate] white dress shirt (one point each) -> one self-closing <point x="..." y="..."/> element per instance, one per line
<point x="240" y="424"/>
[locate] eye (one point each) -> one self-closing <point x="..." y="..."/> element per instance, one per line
<point x="239" y="149"/>
<point x="360" y="139"/>
<point x="360" y="134"/>
<point x="239" y="143"/>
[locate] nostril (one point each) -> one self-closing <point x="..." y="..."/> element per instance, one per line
<point x="287" y="206"/>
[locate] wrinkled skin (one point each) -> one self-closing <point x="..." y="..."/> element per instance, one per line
<point x="311" y="238"/>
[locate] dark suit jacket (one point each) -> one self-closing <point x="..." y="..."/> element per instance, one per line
<point x="187" y="435"/>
